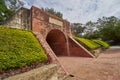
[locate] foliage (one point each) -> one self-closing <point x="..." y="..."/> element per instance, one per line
<point x="95" y="35"/>
<point x="91" y="31"/>
<point x="89" y="27"/>
<point x="18" y="48"/>
<point x="7" y="10"/>
<point x="52" y="11"/>
<point x="106" y="28"/>
<point x="15" y="4"/>
<point x="5" y="13"/>
<point x="77" y="29"/>
<point x="102" y="43"/>
<point x="87" y="43"/>
<point x="109" y="28"/>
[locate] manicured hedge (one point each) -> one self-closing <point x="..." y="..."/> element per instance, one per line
<point x="102" y="43"/>
<point x="87" y="43"/>
<point x="18" y="48"/>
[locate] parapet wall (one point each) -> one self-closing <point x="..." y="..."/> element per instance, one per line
<point x="46" y="72"/>
<point x="21" y="19"/>
<point x="44" y="22"/>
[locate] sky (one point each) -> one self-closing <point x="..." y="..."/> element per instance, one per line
<point x="80" y="11"/>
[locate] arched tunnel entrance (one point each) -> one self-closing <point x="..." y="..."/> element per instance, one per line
<point x="57" y="41"/>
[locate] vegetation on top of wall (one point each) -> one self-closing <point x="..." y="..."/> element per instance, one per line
<point x="18" y="48"/>
<point x="102" y="43"/>
<point x="52" y="11"/>
<point x="87" y="43"/>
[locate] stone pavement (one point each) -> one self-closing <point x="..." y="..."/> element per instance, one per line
<point x="105" y="67"/>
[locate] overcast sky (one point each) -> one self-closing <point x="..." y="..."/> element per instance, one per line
<point x="80" y="10"/>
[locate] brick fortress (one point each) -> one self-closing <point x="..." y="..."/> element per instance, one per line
<point x="53" y="33"/>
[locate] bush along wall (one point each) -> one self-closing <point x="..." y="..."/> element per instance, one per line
<point x="89" y="44"/>
<point x="94" y="46"/>
<point x="19" y="50"/>
<point x="102" y="43"/>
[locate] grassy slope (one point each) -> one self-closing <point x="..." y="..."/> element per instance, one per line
<point x="87" y="43"/>
<point x="18" y="48"/>
<point x="102" y="43"/>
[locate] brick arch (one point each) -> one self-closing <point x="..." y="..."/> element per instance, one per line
<point x="57" y="41"/>
<point x="52" y="28"/>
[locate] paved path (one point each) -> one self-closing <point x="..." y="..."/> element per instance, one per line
<point x="105" y="67"/>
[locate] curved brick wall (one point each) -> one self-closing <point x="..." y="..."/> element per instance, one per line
<point x="57" y="42"/>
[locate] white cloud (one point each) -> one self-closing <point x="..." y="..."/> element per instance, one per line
<point x="80" y="10"/>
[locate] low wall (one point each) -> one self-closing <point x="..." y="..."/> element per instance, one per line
<point x="77" y="49"/>
<point x="46" y="72"/>
<point x="21" y="19"/>
<point x="96" y="52"/>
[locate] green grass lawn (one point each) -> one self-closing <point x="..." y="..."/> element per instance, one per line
<point x="18" y="48"/>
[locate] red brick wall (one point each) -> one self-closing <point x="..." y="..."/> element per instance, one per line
<point x="40" y="21"/>
<point x="76" y="50"/>
<point x="56" y="35"/>
<point x="57" y="42"/>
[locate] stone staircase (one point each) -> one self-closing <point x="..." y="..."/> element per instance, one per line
<point x="62" y="73"/>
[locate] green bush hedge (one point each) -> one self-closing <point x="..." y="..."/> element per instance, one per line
<point x="87" y="43"/>
<point x="102" y="43"/>
<point x="18" y="48"/>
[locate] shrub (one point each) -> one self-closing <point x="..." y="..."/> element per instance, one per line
<point x="87" y="43"/>
<point x="18" y="48"/>
<point x="102" y="43"/>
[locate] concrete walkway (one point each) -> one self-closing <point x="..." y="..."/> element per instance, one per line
<point x="105" y="67"/>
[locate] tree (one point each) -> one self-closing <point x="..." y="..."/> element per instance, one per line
<point x="15" y="4"/>
<point x="90" y="31"/>
<point x="77" y="29"/>
<point x="95" y="35"/>
<point x="5" y="13"/>
<point x="90" y="27"/>
<point x="109" y="28"/>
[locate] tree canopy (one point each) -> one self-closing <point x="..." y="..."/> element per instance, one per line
<point x="109" y="28"/>
<point x="7" y="11"/>
<point x="106" y="28"/>
<point x="77" y="29"/>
